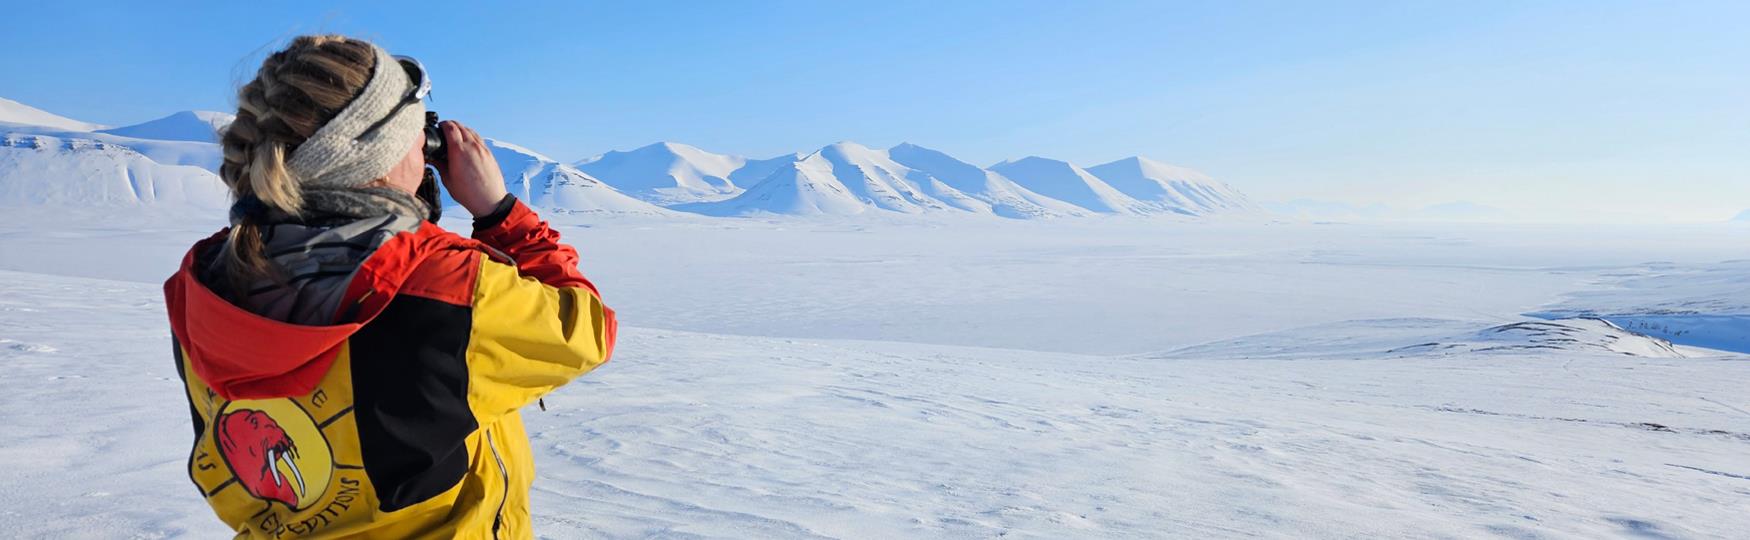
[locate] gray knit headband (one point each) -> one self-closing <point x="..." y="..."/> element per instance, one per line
<point x="335" y="156"/>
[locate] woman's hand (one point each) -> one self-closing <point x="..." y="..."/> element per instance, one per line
<point x="472" y="175"/>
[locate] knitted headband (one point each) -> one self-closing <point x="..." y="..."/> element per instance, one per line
<point x="336" y="157"/>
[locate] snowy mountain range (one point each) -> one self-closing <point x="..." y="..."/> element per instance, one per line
<point x="847" y="178"/>
<point x="552" y="185"/>
<point x="47" y="159"/>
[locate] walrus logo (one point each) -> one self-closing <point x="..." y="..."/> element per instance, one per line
<point x="275" y="450"/>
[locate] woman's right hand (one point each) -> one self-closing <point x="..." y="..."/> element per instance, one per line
<point x="471" y="175"/>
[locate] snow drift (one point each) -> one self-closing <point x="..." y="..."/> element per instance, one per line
<point x="1426" y="337"/>
<point x="38" y="170"/>
<point x="1579" y="335"/>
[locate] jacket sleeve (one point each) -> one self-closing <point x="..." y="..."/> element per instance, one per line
<point x="515" y="229"/>
<point x="537" y="325"/>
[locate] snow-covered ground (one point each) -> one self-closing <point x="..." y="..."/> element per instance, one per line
<point x="1095" y="378"/>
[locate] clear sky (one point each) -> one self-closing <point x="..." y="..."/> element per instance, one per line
<point x="1558" y="110"/>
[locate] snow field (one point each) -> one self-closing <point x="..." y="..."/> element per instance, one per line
<point x="714" y="436"/>
<point x="1207" y="381"/>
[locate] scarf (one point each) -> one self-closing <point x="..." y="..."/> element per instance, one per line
<point x="327" y="207"/>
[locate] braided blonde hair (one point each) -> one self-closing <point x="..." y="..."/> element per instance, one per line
<point x="296" y="91"/>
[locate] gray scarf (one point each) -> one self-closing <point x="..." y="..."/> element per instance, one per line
<point x="327" y="207"/>
<point x="351" y="204"/>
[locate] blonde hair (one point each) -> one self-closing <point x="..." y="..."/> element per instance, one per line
<point x="296" y="91"/>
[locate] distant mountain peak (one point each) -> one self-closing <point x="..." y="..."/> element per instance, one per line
<point x="546" y="183"/>
<point x="1170" y="188"/>
<point x="1066" y="182"/>
<point x="197" y="126"/>
<point x="667" y="173"/>
<point x="1035" y="161"/>
<point x="852" y="149"/>
<point x="19" y="113"/>
<point x="667" y="146"/>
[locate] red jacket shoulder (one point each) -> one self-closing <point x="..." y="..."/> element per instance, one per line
<point x="447" y="275"/>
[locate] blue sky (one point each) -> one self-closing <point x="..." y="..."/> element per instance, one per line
<point x="1556" y="110"/>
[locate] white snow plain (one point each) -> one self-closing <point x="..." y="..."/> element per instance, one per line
<point x="1104" y="378"/>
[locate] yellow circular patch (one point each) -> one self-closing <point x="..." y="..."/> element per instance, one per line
<point x="275" y="450"/>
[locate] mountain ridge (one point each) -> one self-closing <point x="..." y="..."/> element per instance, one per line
<point x="843" y="178"/>
<point x="195" y="126"/>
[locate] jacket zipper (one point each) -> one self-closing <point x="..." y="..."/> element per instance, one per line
<point x="498" y="519"/>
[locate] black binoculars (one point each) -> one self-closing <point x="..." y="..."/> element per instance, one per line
<point x="436" y="155"/>
<point x="436" y="148"/>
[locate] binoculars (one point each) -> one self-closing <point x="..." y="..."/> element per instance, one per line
<point x="436" y="147"/>
<point x="436" y="155"/>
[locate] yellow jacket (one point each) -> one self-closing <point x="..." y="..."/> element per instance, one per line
<point x="397" y="416"/>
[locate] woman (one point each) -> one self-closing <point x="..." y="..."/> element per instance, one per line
<point x="354" y="370"/>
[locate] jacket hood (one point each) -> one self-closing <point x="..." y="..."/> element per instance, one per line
<point x="241" y="354"/>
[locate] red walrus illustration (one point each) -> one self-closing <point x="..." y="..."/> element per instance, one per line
<point x="255" y="446"/>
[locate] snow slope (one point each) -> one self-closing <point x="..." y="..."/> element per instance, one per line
<point x="806" y="187"/>
<point x="1420" y="337"/>
<point x="754" y="170"/>
<point x="1066" y="182"/>
<point x="668" y="173"/>
<point x="880" y="182"/>
<point x="548" y="184"/>
<point x="1171" y="188"/>
<point x="1701" y="305"/>
<point x="195" y="154"/>
<point x="197" y="126"/>
<point x="44" y="171"/>
<point x="18" y="113"/>
<point x="991" y="191"/>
